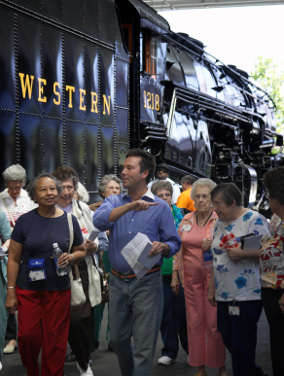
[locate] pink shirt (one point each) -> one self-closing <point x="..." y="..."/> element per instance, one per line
<point x="191" y="247"/>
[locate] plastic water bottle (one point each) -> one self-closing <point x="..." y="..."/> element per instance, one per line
<point x="208" y="258"/>
<point x="57" y="252"/>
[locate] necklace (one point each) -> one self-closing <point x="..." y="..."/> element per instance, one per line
<point x="205" y="221"/>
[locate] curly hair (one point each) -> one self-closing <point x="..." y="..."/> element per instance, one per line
<point x="31" y="188"/>
<point x="104" y="182"/>
<point x="202" y="182"/>
<point x="273" y="181"/>
<point x="63" y="173"/>
<point x="162" y="184"/>
<point x="15" y="173"/>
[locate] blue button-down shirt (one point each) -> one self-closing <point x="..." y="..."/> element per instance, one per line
<point x="156" y="222"/>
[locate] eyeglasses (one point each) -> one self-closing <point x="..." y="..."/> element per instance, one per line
<point x="217" y="204"/>
<point x="204" y="197"/>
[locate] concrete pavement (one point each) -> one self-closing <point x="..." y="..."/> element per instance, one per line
<point x="105" y="362"/>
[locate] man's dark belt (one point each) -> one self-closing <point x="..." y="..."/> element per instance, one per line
<point x="129" y="275"/>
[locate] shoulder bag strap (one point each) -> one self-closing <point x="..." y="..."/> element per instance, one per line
<point x="71" y="231"/>
<point x="8" y="210"/>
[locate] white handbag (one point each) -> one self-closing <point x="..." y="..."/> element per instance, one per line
<point x="78" y="296"/>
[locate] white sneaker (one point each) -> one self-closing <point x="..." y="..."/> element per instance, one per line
<point x="166" y="361"/>
<point x="88" y="371"/>
<point x="0" y="366"/>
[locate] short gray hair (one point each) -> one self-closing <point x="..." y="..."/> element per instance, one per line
<point x="202" y="182"/>
<point x="162" y="184"/>
<point x="104" y="182"/>
<point x="31" y="188"/>
<point x="15" y="173"/>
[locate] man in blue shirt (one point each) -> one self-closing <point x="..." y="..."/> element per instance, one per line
<point x="136" y="304"/>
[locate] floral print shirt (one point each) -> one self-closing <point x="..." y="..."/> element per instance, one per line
<point x="272" y="258"/>
<point x="237" y="280"/>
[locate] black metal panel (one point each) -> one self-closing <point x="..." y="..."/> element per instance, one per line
<point x="74" y="147"/>
<point x="121" y="84"/>
<point x="52" y="69"/>
<point x="92" y="157"/>
<point x="29" y="63"/>
<point x="91" y="15"/>
<point x="31" y="144"/>
<point x="108" y="158"/>
<point x="31" y="4"/>
<point x="52" y="144"/>
<point x="92" y="78"/>
<point x="7" y="70"/>
<point x="122" y="125"/>
<point x="107" y="21"/>
<point x="107" y="87"/>
<point x="74" y="77"/>
<point x="52" y="8"/>
<point x="7" y="140"/>
<point x="73" y="14"/>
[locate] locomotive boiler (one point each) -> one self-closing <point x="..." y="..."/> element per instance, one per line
<point x="81" y="82"/>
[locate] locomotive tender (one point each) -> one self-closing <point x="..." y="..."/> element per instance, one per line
<point x="81" y="82"/>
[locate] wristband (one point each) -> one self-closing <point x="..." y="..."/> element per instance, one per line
<point x="163" y="245"/>
<point x="11" y="287"/>
<point x="73" y="259"/>
<point x="281" y="304"/>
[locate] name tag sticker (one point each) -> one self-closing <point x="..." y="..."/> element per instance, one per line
<point x="233" y="310"/>
<point x="37" y="275"/>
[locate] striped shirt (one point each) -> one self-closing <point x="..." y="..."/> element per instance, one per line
<point x="156" y="222"/>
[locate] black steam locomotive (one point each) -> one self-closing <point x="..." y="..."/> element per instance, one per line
<point x="81" y="82"/>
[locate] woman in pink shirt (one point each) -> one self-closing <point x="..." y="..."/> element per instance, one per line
<point x="194" y="265"/>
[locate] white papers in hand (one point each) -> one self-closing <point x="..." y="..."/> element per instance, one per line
<point x="136" y="254"/>
<point x="252" y="243"/>
<point x="93" y="235"/>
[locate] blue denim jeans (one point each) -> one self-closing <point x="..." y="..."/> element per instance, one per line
<point x="135" y="318"/>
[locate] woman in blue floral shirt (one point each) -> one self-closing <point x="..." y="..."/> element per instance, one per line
<point x="236" y="275"/>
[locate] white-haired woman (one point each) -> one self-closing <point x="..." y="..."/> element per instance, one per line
<point x="194" y="265"/>
<point x="109" y="185"/>
<point x="14" y="201"/>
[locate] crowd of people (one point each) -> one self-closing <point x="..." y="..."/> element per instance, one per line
<point x="196" y="266"/>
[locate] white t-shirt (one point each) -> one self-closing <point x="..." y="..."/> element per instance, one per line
<point x="237" y="280"/>
<point x="22" y="205"/>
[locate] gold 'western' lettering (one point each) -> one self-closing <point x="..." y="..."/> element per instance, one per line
<point x="106" y="104"/>
<point x="94" y="102"/>
<point x="82" y="95"/>
<point x="41" y="82"/>
<point x="27" y="84"/>
<point x="70" y="89"/>
<point x="57" y="93"/>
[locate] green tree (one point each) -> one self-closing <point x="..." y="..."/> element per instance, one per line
<point x="270" y="76"/>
